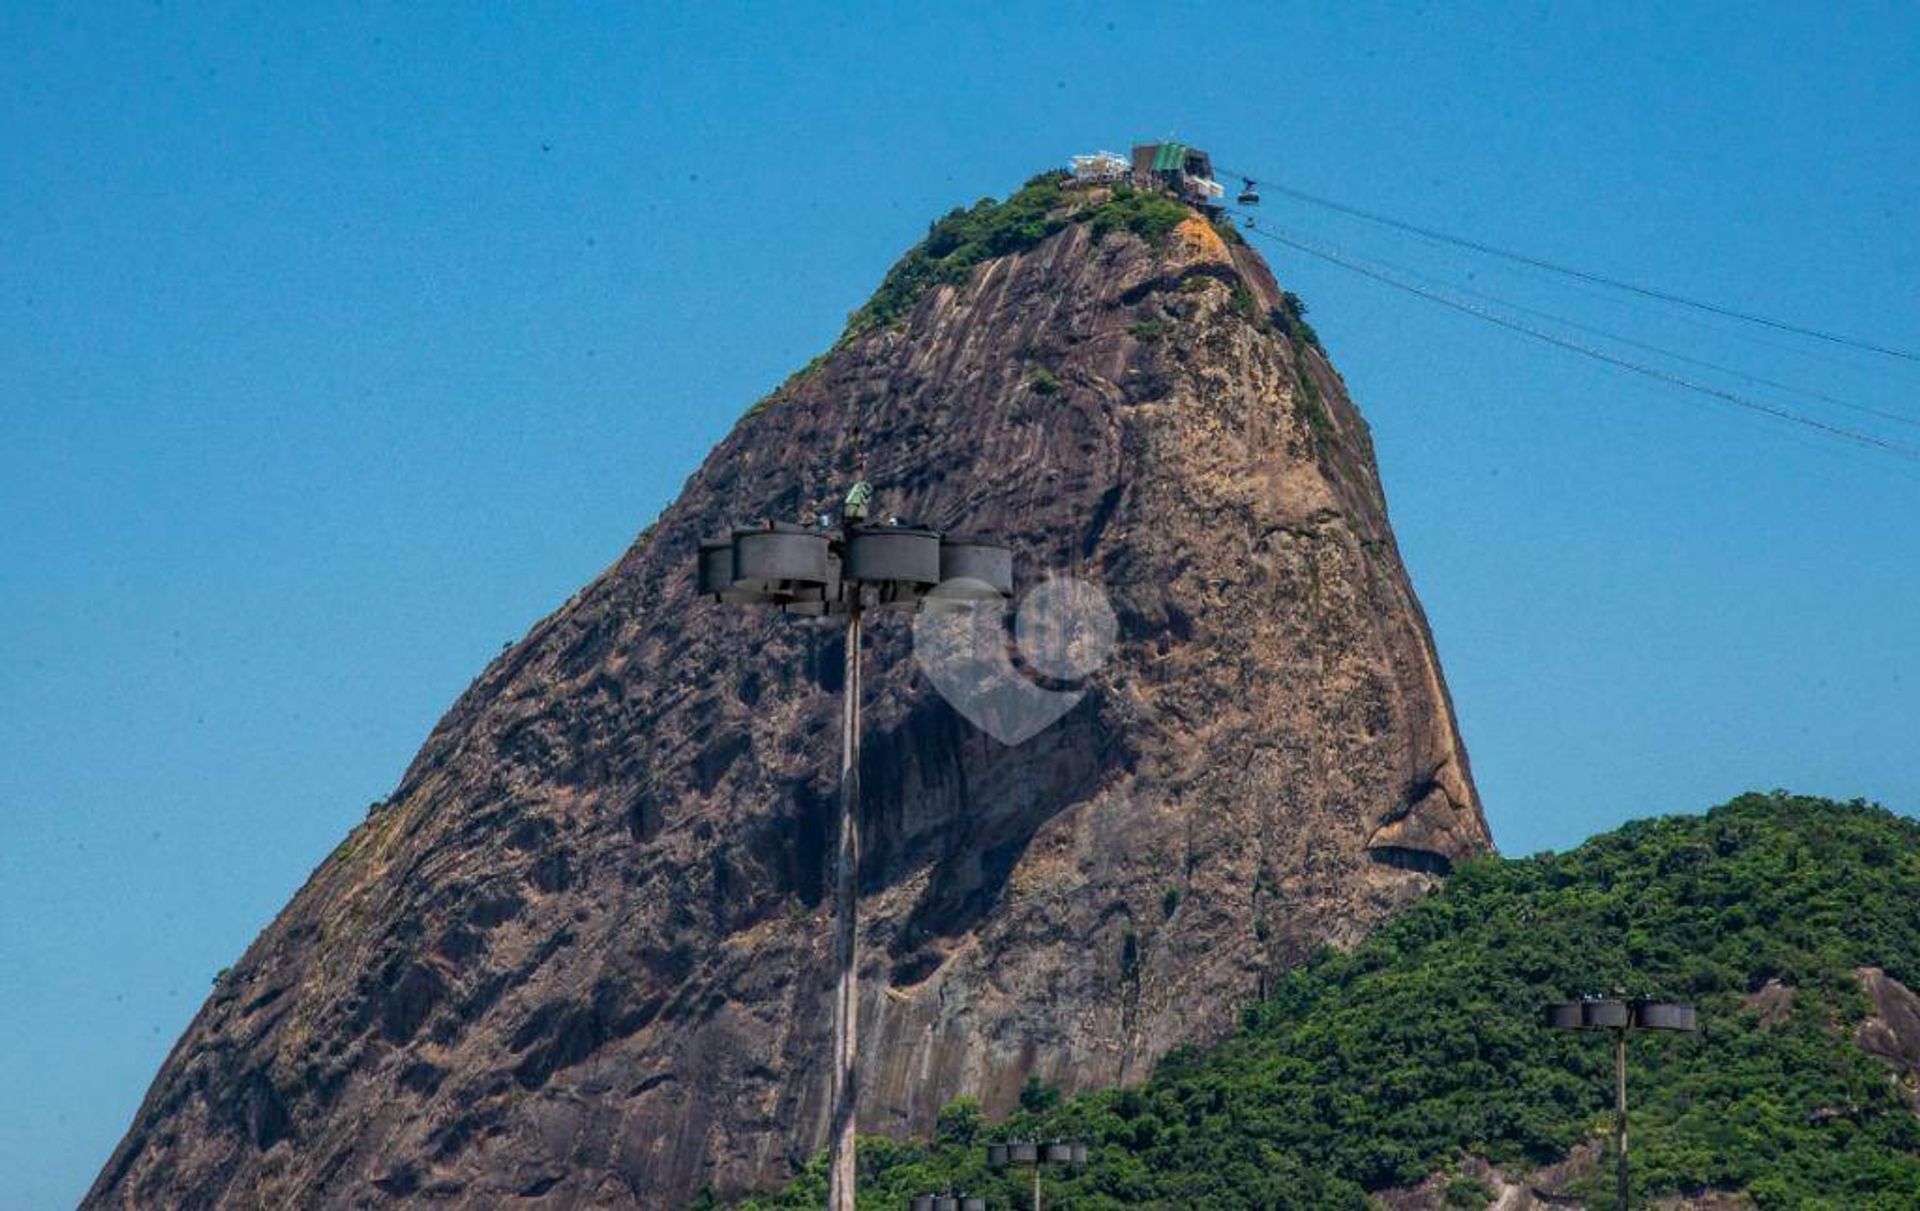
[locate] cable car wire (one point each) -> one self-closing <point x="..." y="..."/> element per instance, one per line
<point x="1447" y="237"/>
<point x="1898" y="449"/>
<point x="1632" y="342"/>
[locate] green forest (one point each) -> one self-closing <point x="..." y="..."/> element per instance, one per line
<point x="1374" y="1069"/>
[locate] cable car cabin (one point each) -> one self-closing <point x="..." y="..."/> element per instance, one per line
<point x="1185" y="172"/>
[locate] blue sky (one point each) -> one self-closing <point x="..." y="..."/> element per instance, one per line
<point x="338" y="347"/>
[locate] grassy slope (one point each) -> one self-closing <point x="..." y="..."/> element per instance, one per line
<point x="1373" y="1069"/>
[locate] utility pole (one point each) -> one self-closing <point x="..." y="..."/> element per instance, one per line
<point x="846" y="924"/>
<point x="1618" y="1017"/>
<point x="819" y="572"/>
<point x="1016" y="1153"/>
<point x="1620" y="1115"/>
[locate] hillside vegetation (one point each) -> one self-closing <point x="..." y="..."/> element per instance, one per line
<point x="966" y="236"/>
<point x="1375" y="1069"/>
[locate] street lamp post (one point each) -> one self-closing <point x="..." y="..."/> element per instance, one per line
<point x="1620" y="1017"/>
<point x="1017" y="1153"/>
<point x="818" y="572"/>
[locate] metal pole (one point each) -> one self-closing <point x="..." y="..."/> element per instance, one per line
<point x="1036" y="1185"/>
<point x="845" y="1002"/>
<point x="1620" y="1114"/>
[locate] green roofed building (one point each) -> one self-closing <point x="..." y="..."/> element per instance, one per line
<point x="1186" y="172"/>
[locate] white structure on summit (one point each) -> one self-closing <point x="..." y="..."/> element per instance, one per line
<point x="1100" y="168"/>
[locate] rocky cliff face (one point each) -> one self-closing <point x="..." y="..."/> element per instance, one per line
<point x="581" y="955"/>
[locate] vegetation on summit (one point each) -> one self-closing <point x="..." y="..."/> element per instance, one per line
<point x="966" y="236"/>
<point x="969" y="235"/>
<point x="1377" y="1068"/>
